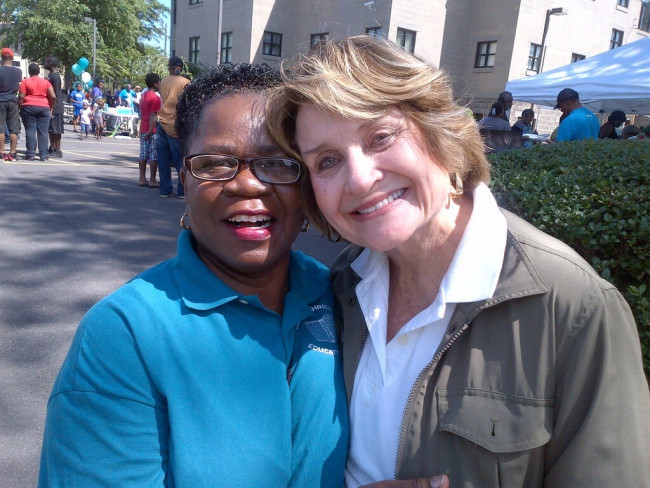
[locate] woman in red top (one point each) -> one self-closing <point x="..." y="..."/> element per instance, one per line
<point x="36" y="98"/>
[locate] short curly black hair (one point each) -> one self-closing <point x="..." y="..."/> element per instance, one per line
<point x="219" y="82"/>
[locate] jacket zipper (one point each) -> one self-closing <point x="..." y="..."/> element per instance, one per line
<point x="435" y="359"/>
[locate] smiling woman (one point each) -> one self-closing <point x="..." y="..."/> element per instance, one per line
<point x="219" y="367"/>
<point x="475" y="346"/>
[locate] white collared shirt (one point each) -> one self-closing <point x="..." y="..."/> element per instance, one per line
<point x="387" y="372"/>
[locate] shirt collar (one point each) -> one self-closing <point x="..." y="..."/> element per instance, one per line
<point x="201" y="289"/>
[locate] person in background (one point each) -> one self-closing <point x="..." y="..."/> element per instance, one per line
<point x="136" y="99"/>
<point x="505" y="97"/>
<point x="98" y="118"/>
<point x="169" y="153"/>
<point x="56" y="122"/>
<point x="580" y="122"/>
<point x="473" y="344"/>
<point x="98" y="91"/>
<point x="149" y="106"/>
<point x="525" y="126"/>
<point x="10" y="77"/>
<point x="494" y="120"/>
<point x="614" y="121"/>
<point x="76" y="97"/>
<point x="631" y="132"/>
<point x="36" y="98"/>
<point x="220" y="366"/>
<point x="84" y="116"/>
<point x="127" y="96"/>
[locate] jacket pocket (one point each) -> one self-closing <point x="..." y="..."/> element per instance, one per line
<point x="495" y="421"/>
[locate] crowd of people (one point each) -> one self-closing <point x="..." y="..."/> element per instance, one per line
<point x="576" y="122"/>
<point x="452" y="343"/>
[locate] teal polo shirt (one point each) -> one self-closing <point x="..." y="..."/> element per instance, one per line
<point x="177" y="380"/>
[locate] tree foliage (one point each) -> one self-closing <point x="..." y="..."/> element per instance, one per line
<point x="57" y="27"/>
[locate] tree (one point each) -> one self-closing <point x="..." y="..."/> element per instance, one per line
<point x="57" y="27"/>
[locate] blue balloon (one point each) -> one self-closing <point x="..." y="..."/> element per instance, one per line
<point x="89" y="84"/>
<point x="76" y="69"/>
<point x="83" y="62"/>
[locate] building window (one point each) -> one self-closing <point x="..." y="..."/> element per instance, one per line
<point x="485" y="53"/>
<point x="616" y="40"/>
<point x="534" y="57"/>
<point x="623" y="3"/>
<point x="318" y="38"/>
<point x="373" y="31"/>
<point x="406" y="39"/>
<point x="644" y="18"/>
<point x="226" y="48"/>
<point x="272" y="44"/>
<point x="194" y="49"/>
<point x="194" y="2"/>
<point x="575" y="57"/>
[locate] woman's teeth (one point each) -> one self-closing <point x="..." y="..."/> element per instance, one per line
<point x="261" y="221"/>
<point x="383" y="203"/>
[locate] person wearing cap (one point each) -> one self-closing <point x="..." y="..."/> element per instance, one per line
<point x="10" y="77"/>
<point x="56" y="122"/>
<point x="580" y="122"/>
<point x="614" y="121"/>
<point x="169" y="152"/>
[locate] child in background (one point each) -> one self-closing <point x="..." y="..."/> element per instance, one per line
<point x="149" y="105"/>
<point x="98" y="118"/>
<point x="84" y="117"/>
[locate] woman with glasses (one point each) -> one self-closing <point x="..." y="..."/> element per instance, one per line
<point x="220" y="366"/>
<point x="473" y="344"/>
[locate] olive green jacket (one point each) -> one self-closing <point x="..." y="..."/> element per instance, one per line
<point x="539" y="386"/>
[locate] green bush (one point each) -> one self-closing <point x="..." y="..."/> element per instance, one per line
<point x="595" y="197"/>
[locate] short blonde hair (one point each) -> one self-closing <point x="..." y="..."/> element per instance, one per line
<point x="362" y="78"/>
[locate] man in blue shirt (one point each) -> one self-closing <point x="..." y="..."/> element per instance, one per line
<point x="127" y="95"/>
<point x="580" y="123"/>
<point x="77" y="98"/>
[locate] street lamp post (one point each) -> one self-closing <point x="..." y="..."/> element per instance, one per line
<point x="549" y="12"/>
<point x="219" y="28"/>
<point x="89" y="19"/>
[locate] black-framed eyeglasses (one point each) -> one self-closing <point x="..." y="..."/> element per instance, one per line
<point x="220" y="167"/>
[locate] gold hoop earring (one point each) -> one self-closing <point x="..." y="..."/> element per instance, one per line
<point x="183" y="224"/>
<point x="305" y="225"/>
<point x="331" y="236"/>
<point x="457" y="187"/>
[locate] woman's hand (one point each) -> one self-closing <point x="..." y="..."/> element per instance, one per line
<point x="440" y="481"/>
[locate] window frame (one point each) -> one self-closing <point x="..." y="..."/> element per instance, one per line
<point x="375" y="31"/>
<point x="623" y="3"/>
<point x="225" y="56"/>
<point x="402" y="36"/>
<point x="195" y="2"/>
<point x="616" y="40"/>
<point x="534" y="55"/>
<point x="195" y="49"/>
<point x="315" y="39"/>
<point x="644" y="18"/>
<point x="486" y="55"/>
<point x="575" y="57"/>
<point x="269" y="45"/>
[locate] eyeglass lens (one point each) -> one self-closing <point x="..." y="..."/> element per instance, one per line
<point x="220" y="168"/>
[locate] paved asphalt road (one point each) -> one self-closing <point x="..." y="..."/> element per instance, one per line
<point x="72" y="230"/>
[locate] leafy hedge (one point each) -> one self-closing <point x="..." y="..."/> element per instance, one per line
<point x="594" y="196"/>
